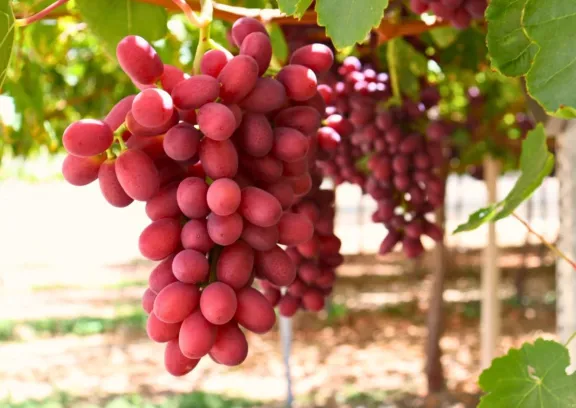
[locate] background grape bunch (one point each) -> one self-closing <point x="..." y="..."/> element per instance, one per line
<point x="226" y="163"/>
<point x="397" y="145"/>
<point x="459" y="13"/>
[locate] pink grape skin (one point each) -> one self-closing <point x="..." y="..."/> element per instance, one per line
<point x="191" y="197"/>
<point x="267" y="96"/>
<point x="176" y="301"/>
<point x="164" y="203"/>
<point x="294" y="229"/>
<point x="273" y="296"/>
<point x="148" y="300"/>
<point x="265" y="169"/>
<point x="223" y="196"/>
<point x="255" y="135"/>
<point x="162" y="276"/>
<point x="171" y="77"/>
<point x="296" y="168"/>
<point x="260" y="238"/>
<point x="188" y="116"/>
<point x="230" y="348"/>
<point x="81" y="171"/>
<point x="213" y="62"/>
<point x="160" y="239"/>
<point x="110" y="187"/>
<point x="139" y="130"/>
<point x="224" y="230"/>
<point x="218" y="303"/>
<point x="238" y="78"/>
<point x="197" y="336"/>
<point x="152" y="107"/>
<point x="245" y="26"/>
<point x="137" y="174"/>
<point x="235" y="264"/>
<point x="283" y="193"/>
<point x="219" y="159"/>
<point x="216" y="121"/>
<point x="302" y="118"/>
<point x="254" y="312"/>
<point x="176" y="363"/>
<point x="87" y="137"/>
<point x="258" y="46"/>
<point x="276" y="266"/>
<point x="190" y="266"/>
<point x="289" y="144"/>
<point x="117" y="115"/>
<point x="260" y="207"/>
<point x="318" y="57"/>
<point x="195" y="236"/>
<point x="181" y="142"/>
<point x="159" y="331"/>
<point x="139" y="59"/>
<point x="309" y="272"/>
<point x="237" y="113"/>
<point x="195" y="91"/>
<point x="313" y="299"/>
<point x="300" y="82"/>
<point x="288" y="305"/>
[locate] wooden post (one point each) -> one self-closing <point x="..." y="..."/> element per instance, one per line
<point x="490" y="313"/>
<point x="565" y="274"/>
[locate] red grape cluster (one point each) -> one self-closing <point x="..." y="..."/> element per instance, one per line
<point x="222" y="160"/>
<point x="459" y="12"/>
<point x="315" y="259"/>
<point x="403" y="148"/>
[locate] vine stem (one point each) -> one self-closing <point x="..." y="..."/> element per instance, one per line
<point x="391" y="56"/>
<point x="549" y="245"/>
<point x="21" y="22"/>
<point x="194" y="19"/>
<point x="570" y="339"/>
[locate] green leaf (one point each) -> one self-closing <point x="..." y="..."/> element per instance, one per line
<point x="279" y="45"/>
<point x="536" y="162"/>
<point x="410" y="67"/>
<point x="112" y="20"/>
<point x="6" y="37"/>
<point x="468" y="52"/>
<point x="550" y="24"/>
<point x="349" y="21"/>
<point x="529" y="377"/>
<point x="444" y="36"/>
<point x="294" y="7"/>
<point x="511" y="51"/>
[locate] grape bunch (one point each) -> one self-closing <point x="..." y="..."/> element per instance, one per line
<point x="315" y="260"/>
<point x="222" y="159"/>
<point x="460" y="13"/>
<point x="393" y="152"/>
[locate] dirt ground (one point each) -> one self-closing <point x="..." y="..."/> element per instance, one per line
<point x="370" y="351"/>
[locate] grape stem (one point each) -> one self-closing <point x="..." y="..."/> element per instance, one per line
<point x="549" y="245"/>
<point x="213" y="259"/>
<point x="22" y="22"/>
<point x="120" y="142"/>
<point x="194" y="19"/>
<point x="570" y="340"/>
<point x="204" y="37"/>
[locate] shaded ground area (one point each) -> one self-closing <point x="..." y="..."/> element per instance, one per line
<point x="365" y="351"/>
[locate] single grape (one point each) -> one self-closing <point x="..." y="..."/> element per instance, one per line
<point x="216" y="121"/>
<point x="254" y="312"/>
<point x="313" y="299"/>
<point x="152" y="107"/>
<point x="148" y="299"/>
<point x="224" y="230"/>
<point x="137" y="174"/>
<point x="288" y="305"/>
<point x="110" y="186"/>
<point x="302" y="118"/>
<point x="190" y="266"/>
<point x="218" y="303"/>
<point x="138" y="129"/>
<point x="81" y="171"/>
<point x="159" y="331"/>
<point x="260" y="238"/>
<point x="195" y="91"/>
<point x="276" y="266"/>
<point x="176" y="301"/>
<point x="267" y="96"/>
<point x="164" y="203"/>
<point x="219" y="159"/>
<point x="181" y="142"/>
<point x="254" y="136"/>
<point x="283" y="193"/>
<point x="213" y="62"/>
<point x="176" y="363"/>
<point x="245" y="26"/>
<point x="258" y="46"/>
<point x="195" y="236"/>
<point x="235" y="264"/>
<point x="260" y="207"/>
<point x="87" y="137"/>
<point x="318" y="57"/>
<point x="238" y="78"/>
<point x="197" y="336"/>
<point x="171" y="77"/>
<point x="191" y="197"/>
<point x="160" y="239"/>
<point x="117" y="115"/>
<point x="139" y="59"/>
<point x="230" y="347"/>
<point x="162" y="276"/>
<point x="294" y="229"/>
<point x="223" y="196"/>
<point x="300" y="82"/>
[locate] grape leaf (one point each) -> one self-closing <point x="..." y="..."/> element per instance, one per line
<point x="112" y="20"/>
<point x="511" y="51"/>
<point x="279" y="45"/>
<point x="550" y="24"/>
<point x="532" y="376"/>
<point x="536" y="162"/>
<point x="6" y="37"/>
<point x="349" y="21"/>
<point x="444" y="36"/>
<point x="294" y="7"/>
<point x="411" y="66"/>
